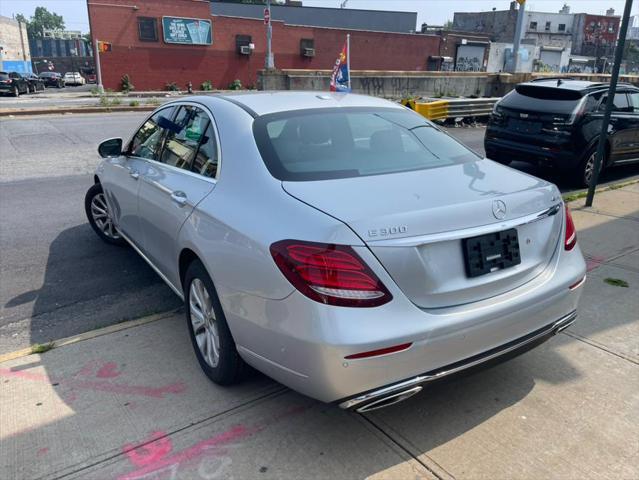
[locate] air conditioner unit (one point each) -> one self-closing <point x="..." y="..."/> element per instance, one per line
<point x="245" y="50"/>
<point x="309" y="52"/>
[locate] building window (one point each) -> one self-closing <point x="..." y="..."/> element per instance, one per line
<point x="243" y="44"/>
<point x="533" y="25"/>
<point x="562" y="27"/>
<point x="147" y="29"/>
<point x="611" y="29"/>
<point x="547" y="26"/>
<point x="307" y="47"/>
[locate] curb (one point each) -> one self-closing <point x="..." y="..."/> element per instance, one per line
<point x="89" y="335"/>
<point x="574" y="196"/>
<point x="62" y="111"/>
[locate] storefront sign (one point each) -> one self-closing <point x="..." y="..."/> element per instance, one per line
<point x="187" y="31"/>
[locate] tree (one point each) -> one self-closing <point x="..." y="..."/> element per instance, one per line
<point x="448" y="25"/>
<point x="42" y="19"/>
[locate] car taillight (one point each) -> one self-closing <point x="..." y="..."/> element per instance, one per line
<point x="330" y="274"/>
<point x="571" y="232"/>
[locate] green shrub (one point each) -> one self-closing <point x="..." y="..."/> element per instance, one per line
<point x="125" y="84"/>
<point x="206" y="86"/>
<point x="235" y="84"/>
<point x="134" y="103"/>
<point x="172" y="87"/>
<point x="152" y="101"/>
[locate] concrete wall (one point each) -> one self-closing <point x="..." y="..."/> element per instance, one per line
<point x="15" y="55"/>
<point x="395" y="85"/>
<point x="498" y="52"/>
<point x="152" y="64"/>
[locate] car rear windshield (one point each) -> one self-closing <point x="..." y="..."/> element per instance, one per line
<point x="328" y="143"/>
<point x="4" y="76"/>
<point x="542" y="99"/>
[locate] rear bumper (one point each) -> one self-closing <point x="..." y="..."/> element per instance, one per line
<point x="371" y="400"/>
<point x="559" y="155"/>
<point x="304" y="344"/>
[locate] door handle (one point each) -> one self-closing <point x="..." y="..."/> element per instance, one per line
<point x="134" y="174"/>
<point x="179" y="197"/>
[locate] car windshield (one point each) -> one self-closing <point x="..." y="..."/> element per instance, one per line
<point x="4" y="76"/>
<point x="328" y="143"/>
<point x="542" y="99"/>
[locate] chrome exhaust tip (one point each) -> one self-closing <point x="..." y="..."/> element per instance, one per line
<point x="389" y="400"/>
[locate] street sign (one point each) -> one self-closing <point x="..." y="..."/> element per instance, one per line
<point x="521" y="2"/>
<point x="187" y="31"/>
<point x="267" y="16"/>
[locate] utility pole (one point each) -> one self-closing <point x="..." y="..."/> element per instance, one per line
<point x="603" y="136"/>
<point x="519" y="30"/>
<point x="98" y="70"/>
<point x="269" y="63"/>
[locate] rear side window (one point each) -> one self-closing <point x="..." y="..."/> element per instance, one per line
<point x="4" y="76"/>
<point x="147" y="142"/>
<point x="634" y="101"/>
<point x="331" y="143"/>
<point x="619" y="103"/>
<point x="206" y="160"/>
<point x="184" y="136"/>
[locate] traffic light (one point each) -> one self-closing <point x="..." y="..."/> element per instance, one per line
<point x="104" y="47"/>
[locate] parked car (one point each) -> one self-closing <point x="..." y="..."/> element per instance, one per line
<point x="13" y="83"/>
<point x="557" y="122"/>
<point x="91" y="78"/>
<point x="52" y="79"/>
<point x="74" y="78"/>
<point x="35" y="83"/>
<point x="341" y="244"/>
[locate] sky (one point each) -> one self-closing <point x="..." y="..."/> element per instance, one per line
<point x="433" y="12"/>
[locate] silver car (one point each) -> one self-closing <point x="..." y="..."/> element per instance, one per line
<point x="341" y="244"/>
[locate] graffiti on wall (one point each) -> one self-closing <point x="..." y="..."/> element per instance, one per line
<point x="469" y="64"/>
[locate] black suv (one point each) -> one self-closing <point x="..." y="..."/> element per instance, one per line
<point x="13" y="83"/>
<point x="557" y="121"/>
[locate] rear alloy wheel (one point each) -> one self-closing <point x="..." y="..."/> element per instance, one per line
<point x="99" y="217"/>
<point x="210" y="335"/>
<point x="16" y="92"/>
<point x="587" y="167"/>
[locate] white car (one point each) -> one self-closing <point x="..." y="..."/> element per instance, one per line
<point x="74" y="78"/>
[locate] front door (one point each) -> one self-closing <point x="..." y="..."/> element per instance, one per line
<point x="175" y="184"/>
<point x="122" y="175"/>
<point x="624" y="129"/>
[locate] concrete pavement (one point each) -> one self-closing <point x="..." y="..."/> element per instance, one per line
<point x="134" y="404"/>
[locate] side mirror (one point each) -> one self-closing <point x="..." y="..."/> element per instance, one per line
<point x="110" y="148"/>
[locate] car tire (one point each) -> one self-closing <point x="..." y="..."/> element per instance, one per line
<point x="584" y="170"/>
<point x="208" y="328"/>
<point x="16" y="92"/>
<point x="97" y="211"/>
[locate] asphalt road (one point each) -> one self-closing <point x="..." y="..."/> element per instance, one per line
<point x="56" y="278"/>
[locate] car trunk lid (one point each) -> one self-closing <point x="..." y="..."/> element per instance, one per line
<point x="416" y="224"/>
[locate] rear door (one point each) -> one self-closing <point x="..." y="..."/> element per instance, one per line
<point x="174" y="184"/>
<point x="624" y="128"/>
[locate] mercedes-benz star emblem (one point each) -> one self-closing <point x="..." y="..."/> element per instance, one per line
<point x="499" y="209"/>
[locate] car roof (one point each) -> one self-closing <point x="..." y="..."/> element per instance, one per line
<point x="263" y="103"/>
<point x="577" y="85"/>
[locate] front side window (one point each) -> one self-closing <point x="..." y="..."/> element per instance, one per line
<point x="634" y="101"/>
<point x="147" y="142"/>
<point x="184" y="136"/>
<point x="619" y="103"/>
<point x="331" y="143"/>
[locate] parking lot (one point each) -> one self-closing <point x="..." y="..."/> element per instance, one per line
<point x="134" y="404"/>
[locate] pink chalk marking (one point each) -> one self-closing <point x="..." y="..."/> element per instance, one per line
<point x="155" y="460"/>
<point x="594" y="262"/>
<point x="99" y="386"/>
<point x="165" y="462"/>
<point x="108" y="370"/>
<point x="43" y="451"/>
<point x="150" y="451"/>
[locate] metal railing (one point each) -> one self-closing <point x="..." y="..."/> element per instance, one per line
<point x="443" y="109"/>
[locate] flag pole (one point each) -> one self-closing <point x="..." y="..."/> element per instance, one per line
<point x="348" y="58"/>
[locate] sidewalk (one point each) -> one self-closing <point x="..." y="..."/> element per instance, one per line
<point x="133" y="404"/>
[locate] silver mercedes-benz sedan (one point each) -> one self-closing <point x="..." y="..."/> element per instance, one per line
<point x="341" y="244"/>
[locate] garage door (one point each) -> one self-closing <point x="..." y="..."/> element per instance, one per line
<point x="550" y="60"/>
<point x="470" y="58"/>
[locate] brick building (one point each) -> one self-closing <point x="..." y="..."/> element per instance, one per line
<point x="139" y="48"/>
